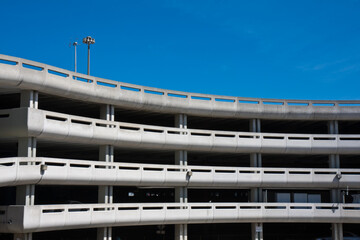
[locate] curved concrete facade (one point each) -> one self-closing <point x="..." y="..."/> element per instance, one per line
<point x="55" y="126"/>
<point x="21" y="171"/>
<point x="20" y="73"/>
<point x="45" y="218"/>
<point x="273" y="176"/>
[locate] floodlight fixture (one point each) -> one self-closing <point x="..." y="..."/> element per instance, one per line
<point x="88" y="40"/>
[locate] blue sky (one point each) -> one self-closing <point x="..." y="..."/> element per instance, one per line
<point x="270" y="49"/>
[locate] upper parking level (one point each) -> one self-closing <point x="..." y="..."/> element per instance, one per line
<point x="52" y="126"/>
<point x="19" y="74"/>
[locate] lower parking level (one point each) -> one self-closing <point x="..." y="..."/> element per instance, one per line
<point x="224" y="231"/>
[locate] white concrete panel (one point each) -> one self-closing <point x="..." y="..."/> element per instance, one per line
<point x="126" y="95"/>
<point x="20" y="171"/>
<point x="44" y="218"/>
<point x="54" y="126"/>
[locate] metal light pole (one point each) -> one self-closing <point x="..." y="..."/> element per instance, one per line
<point x="75" y="44"/>
<point x="88" y="40"/>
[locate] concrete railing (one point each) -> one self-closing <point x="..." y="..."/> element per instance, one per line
<point x="21" y="171"/>
<point x="47" y="125"/>
<point x="19" y="219"/>
<point x="25" y="74"/>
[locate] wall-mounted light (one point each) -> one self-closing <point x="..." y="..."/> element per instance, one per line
<point x="43" y="167"/>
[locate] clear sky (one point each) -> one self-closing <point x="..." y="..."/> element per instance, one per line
<point x="270" y="49"/>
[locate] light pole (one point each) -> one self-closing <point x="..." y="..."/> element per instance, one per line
<point x="88" y="40"/>
<point x="75" y="44"/>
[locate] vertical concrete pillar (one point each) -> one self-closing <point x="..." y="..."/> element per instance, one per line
<point x="181" y="194"/>
<point x="29" y="99"/>
<point x="106" y="153"/>
<point x="25" y="194"/>
<point x="334" y="162"/>
<point x="257" y="231"/>
<point x="337" y="231"/>
<point x="23" y="236"/>
<point x="256" y="193"/>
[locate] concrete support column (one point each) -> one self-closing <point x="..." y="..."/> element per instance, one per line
<point x="23" y="236"/>
<point x="334" y="162"/>
<point x="257" y="231"/>
<point x="256" y="196"/>
<point x="29" y="99"/>
<point x="335" y="193"/>
<point x="333" y="127"/>
<point x="181" y="193"/>
<point x="106" y="154"/>
<point x="256" y="193"/>
<point x="337" y="231"/>
<point x="255" y="125"/>
<point x="25" y="194"/>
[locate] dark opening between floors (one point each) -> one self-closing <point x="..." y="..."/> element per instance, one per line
<point x="218" y="159"/>
<point x="151" y="232"/>
<point x="291" y="126"/>
<point x="296" y="196"/>
<point x="144" y="117"/>
<point x="349" y="127"/>
<point x="351" y="229"/>
<point x="296" y="231"/>
<point x="295" y="161"/>
<point x="7" y="196"/>
<point x="220" y="124"/>
<point x="8" y="149"/>
<point x="57" y="194"/>
<point x="350" y="196"/>
<point x="6" y="236"/>
<point x="73" y="234"/>
<point x="349" y="161"/>
<point x="218" y="195"/>
<point x="69" y="106"/>
<point x="144" y="156"/>
<point x="67" y="150"/>
<point x="143" y="195"/>
<point x="219" y="231"/>
<point x="11" y="100"/>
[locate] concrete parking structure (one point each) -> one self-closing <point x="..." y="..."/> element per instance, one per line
<point x="89" y="158"/>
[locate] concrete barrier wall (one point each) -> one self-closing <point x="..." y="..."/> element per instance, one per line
<point x="47" y="125"/>
<point x="24" y="74"/>
<point x="21" y="171"/>
<point x="18" y="219"/>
